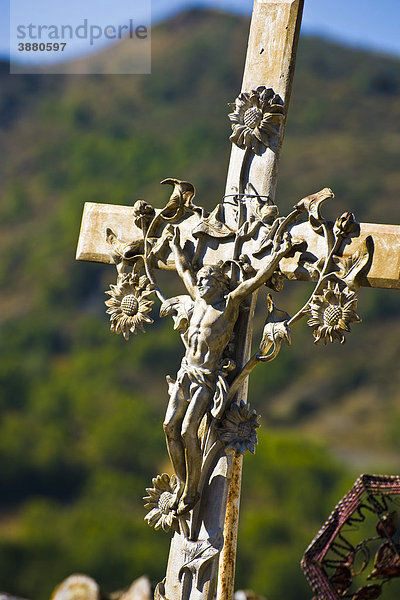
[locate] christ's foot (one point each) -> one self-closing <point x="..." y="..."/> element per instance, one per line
<point x="187" y="502"/>
<point x="178" y="491"/>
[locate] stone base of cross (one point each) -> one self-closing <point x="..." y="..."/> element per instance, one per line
<point x="223" y="258"/>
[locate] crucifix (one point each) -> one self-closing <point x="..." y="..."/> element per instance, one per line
<point x="223" y="258"/>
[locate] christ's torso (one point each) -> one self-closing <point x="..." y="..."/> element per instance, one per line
<point x="209" y="332"/>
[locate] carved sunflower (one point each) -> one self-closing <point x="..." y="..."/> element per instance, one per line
<point x="238" y="429"/>
<point x="160" y="501"/>
<point x="128" y="305"/>
<point x="332" y="312"/>
<point x="256" y="119"/>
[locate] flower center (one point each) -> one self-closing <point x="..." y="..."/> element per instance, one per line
<point x="244" y="429"/>
<point x="332" y="314"/>
<point x="129" y="305"/>
<point x="252" y="117"/>
<point x="164" y="502"/>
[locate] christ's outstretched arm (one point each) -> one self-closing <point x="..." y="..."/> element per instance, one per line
<point x="182" y="264"/>
<point x="250" y="285"/>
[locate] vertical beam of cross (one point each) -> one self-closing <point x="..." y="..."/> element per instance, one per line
<point x="270" y="62"/>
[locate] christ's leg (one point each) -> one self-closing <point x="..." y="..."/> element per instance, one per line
<point x="197" y="408"/>
<point x="172" y="427"/>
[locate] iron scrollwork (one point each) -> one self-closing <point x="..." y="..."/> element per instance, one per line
<point x="346" y="560"/>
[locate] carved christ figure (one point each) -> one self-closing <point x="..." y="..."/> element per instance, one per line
<point x="215" y="310"/>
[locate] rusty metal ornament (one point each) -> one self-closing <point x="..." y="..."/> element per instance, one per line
<point x="344" y="561"/>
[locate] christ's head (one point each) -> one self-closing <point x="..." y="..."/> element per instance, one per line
<point x="212" y="283"/>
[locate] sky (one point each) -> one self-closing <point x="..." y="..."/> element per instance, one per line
<point x="369" y="24"/>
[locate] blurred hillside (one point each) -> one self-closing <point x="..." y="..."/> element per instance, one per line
<point x="81" y="409"/>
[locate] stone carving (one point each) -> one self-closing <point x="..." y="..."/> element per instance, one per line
<point x="263" y="245"/>
<point x="238" y="429"/>
<point x="201" y="381"/>
<point x="198" y="554"/>
<point x="256" y="118"/>
<point x="223" y="258"/>
<point x="82" y="587"/>
<point x="160" y="502"/>
<point x="139" y="590"/>
<point x="332" y="312"/>
<point x="128" y="304"/>
<point x="275" y="331"/>
<point x="77" y="587"/>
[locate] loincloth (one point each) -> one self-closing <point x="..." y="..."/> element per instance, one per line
<point x="212" y="381"/>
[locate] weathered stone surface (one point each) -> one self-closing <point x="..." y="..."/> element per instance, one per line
<point x="247" y="595"/>
<point x="139" y="590"/>
<point x="384" y="271"/>
<point x="270" y="61"/>
<point x="77" y="587"/>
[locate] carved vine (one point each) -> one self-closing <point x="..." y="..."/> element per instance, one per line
<point x="262" y="245"/>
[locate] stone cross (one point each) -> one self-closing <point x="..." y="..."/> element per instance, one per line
<point x="223" y="258"/>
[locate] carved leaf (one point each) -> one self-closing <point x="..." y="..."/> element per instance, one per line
<point x="213" y="226"/>
<point x="275" y="329"/>
<point x="312" y="204"/>
<point x="359" y="263"/>
<point x="117" y="245"/>
<point x="180" y="200"/>
<point x="345" y="225"/>
<point x="199" y="554"/>
<point x="275" y="333"/>
<point x="159" y="592"/>
<point x="182" y="306"/>
<point x="123" y="250"/>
